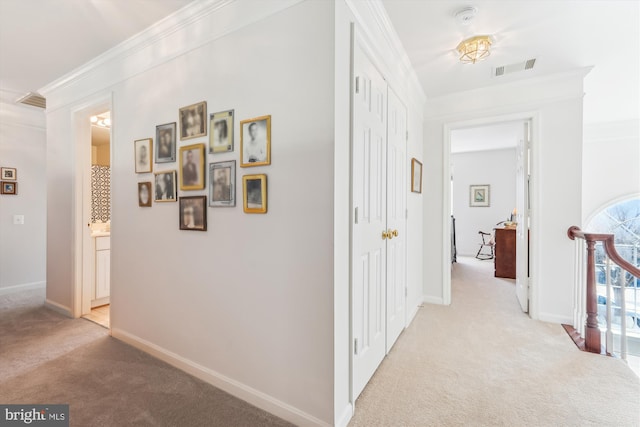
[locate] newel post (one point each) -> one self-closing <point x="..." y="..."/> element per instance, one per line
<point x="592" y="333"/>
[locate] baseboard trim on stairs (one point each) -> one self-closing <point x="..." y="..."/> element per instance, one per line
<point x="231" y="386"/>
<point x="23" y="287"/>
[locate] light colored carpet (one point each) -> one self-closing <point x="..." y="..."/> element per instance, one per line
<point x="482" y="362"/>
<point x="47" y="358"/>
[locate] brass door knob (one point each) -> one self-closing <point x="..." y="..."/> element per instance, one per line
<point x="386" y="235"/>
<point x="395" y="233"/>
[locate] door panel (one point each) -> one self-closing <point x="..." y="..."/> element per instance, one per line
<point x="369" y="204"/>
<point x="522" y="231"/>
<point x="396" y="217"/>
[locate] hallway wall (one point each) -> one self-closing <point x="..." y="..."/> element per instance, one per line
<point x="555" y="103"/>
<point x="23" y="247"/>
<point x="496" y="168"/>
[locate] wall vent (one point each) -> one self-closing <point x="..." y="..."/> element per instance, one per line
<point x="34" y="99"/>
<point x="514" y="68"/>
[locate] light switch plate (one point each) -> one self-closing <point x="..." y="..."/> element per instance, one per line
<point x="18" y="219"/>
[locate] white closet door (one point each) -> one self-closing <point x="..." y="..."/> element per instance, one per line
<point x="369" y="221"/>
<point x="396" y="217"/>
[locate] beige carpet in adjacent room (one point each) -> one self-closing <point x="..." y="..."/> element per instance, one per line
<point x="482" y="362"/>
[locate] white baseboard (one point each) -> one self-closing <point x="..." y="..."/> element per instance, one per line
<point x="231" y="386"/>
<point x="433" y="300"/>
<point x="412" y="315"/>
<point x="23" y="287"/>
<point x="345" y="417"/>
<point x="554" y="318"/>
<point x="62" y="309"/>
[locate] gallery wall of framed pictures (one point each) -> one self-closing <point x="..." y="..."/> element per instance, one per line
<point x="8" y="181"/>
<point x="207" y="165"/>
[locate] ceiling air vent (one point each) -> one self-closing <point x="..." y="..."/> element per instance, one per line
<point x="33" y="99"/>
<point x="514" y="68"/>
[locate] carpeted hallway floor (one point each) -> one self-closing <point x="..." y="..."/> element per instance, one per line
<point x="47" y="358"/>
<point x="482" y="362"/>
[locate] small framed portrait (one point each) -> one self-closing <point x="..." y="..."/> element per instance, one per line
<point x="479" y="196"/>
<point x="222" y="184"/>
<point x="166" y="143"/>
<point x="8" y="174"/>
<point x="416" y="176"/>
<point x="192" y="159"/>
<point x="221" y="132"/>
<point x="9" y="187"/>
<point x="144" y="194"/>
<point x="193" y="120"/>
<point x="143" y="149"/>
<point x="165" y="186"/>
<point x="255" y="193"/>
<point x="193" y="213"/>
<point x="255" y="142"/>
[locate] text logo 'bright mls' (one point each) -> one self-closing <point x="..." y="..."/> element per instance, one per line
<point x="40" y="415"/>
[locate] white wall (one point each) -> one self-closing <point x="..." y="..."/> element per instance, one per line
<point x="555" y="103"/>
<point x="22" y="247"/>
<point x="496" y="168"/>
<point x="611" y="162"/>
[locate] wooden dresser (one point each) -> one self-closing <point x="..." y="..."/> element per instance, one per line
<point x="505" y="253"/>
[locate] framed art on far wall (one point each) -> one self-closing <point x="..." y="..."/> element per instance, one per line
<point x="221" y="132"/>
<point x="479" y="196"/>
<point x="254" y="193"/>
<point x="9" y="187"/>
<point x="165" y="187"/>
<point x="143" y="150"/>
<point x="193" y="121"/>
<point x="192" y="159"/>
<point x="8" y="174"/>
<point x="416" y="176"/>
<point x="222" y="184"/>
<point x="144" y="194"/>
<point x="193" y="213"/>
<point x="166" y="143"/>
<point x="255" y="142"/>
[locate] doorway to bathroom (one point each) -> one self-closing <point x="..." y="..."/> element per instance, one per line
<point x="96" y="288"/>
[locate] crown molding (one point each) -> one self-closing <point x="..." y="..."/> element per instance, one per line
<point x="17" y="115"/>
<point x="241" y="14"/>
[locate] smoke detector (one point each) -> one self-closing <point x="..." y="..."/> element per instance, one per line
<point x="465" y="15"/>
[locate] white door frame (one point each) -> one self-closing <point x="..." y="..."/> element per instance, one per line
<point x="81" y="127"/>
<point x="446" y="198"/>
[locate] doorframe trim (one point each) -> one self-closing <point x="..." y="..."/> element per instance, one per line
<point x="452" y="125"/>
<point x="81" y="128"/>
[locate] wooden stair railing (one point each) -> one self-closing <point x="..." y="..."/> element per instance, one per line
<point x="592" y="332"/>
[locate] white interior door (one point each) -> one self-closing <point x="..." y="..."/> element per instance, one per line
<point x="396" y="217"/>
<point x="522" y="217"/>
<point x="369" y="221"/>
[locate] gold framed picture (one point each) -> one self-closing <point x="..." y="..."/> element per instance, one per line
<point x="144" y="194"/>
<point x="193" y="120"/>
<point x="255" y="142"/>
<point x="143" y="150"/>
<point x="479" y="196"/>
<point x="221" y="132"/>
<point x="192" y="159"/>
<point x="254" y="190"/>
<point x="416" y="176"/>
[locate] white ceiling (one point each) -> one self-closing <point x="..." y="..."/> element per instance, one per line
<point x="42" y="40"/>
<point x="561" y="34"/>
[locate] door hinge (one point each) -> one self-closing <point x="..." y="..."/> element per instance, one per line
<point x="355" y="346"/>
<point x="407" y="135"/>
<point x="357" y="84"/>
<point x="355" y="216"/>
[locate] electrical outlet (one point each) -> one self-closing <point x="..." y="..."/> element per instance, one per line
<point x="18" y="219"/>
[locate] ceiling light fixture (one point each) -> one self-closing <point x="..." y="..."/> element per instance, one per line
<point x="474" y="49"/>
<point x="100" y="121"/>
